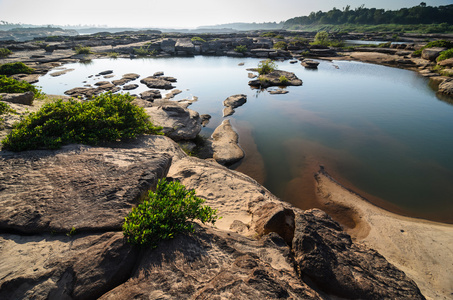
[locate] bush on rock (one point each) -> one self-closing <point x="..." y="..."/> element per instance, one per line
<point x="164" y="213"/>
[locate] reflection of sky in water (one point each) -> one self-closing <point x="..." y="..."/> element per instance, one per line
<point x="381" y="128"/>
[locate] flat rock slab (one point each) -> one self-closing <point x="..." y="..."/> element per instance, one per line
<point x="19" y="98"/>
<point x="59" y="73"/>
<point x="90" y="189"/>
<point x="178" y="123"/>
<point x="157" y="83"/>
<point x="446" y="87"/>
<point x="225" y="144"/>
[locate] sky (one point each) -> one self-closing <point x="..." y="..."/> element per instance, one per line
<point x="176" y="13"/>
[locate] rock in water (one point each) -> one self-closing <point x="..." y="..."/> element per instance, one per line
<point x="225" y="144"/>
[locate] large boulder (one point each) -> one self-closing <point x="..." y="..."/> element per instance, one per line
<point x="178" y="123"/>
<point x="19" y="98"/>
<point x="432" y="53"/>
<point x="184" y="46"/>
<point x="91" y="189"/>
<point x="168" y="46"/>
<point x="446" y="63"/>
<point x="326" y="255"/>
<point x="225" y="144"/>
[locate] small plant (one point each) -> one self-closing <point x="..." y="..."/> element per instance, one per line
<point x="322" y="38"/>
<point x="15" y="68"/>
<point x="281" y="45"/>
<point x="112" y="54"/>
<point x="83" y="50"/>
<point x="145" y="52"/>
<point x="241" y="49"/>
<point x="439" y="43"/>
<point x="197" y="39"/>
<point x="4" y="52"/>
<point x="108" y="117"/>
<point x="266" y="66"/>
<point x="283" y="80"/>
<point x="72" y="232"/>
<point x="4" y="109"/>
<point x="417" y="53"/>
<point x="445" y="55"/>
<point x="164" y="213"/>
<point x="280" y="37"/>
<point x="269" y="34"/>
<point x="11" y="85"/>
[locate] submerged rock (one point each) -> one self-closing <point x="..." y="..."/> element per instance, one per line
<point x="309" y="64"/>
<point x="233" y="102"/>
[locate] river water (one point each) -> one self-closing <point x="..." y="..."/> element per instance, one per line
<point x="378" y="130"/>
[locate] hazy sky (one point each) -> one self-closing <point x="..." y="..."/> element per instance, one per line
<point x="176" y="13"/>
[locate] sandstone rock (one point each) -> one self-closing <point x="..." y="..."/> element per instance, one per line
<point x="446" y="63"/>
<point x="225" y="144"/>
<point x="160" y="73"/>
<point x="278" y="92"/>
<point x="178" y="123"/>
<point x="90" y="189"/>
<point x="59" y="267"/>
<point x="131" y="76"/>
<point x="130" y="87"/>
<point x="99" y="83"/>
<point x="274" y="79"/>
<point x="446" y="87"/>
<point x="168" y="45"/>
<point x="432" y="53"/>
<point x="59" y="73"/>
<point x="328" y="257"/>
<point x="310" y="64"/>
<point x="205" y="119"/>
<point x="20" y="98"/>
<point x="151" y="95"/>
<point x="30" y="78"/>
<point x="233" y="102"/>
<point x="121" y="81"/>
<point x="172" y="94"/>
<point x="185" y="45"/>
<point x="157" y="83"/>
<point x="105" y="72"/>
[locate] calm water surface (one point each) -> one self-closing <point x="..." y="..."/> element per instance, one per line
<point x="378" y="130"/>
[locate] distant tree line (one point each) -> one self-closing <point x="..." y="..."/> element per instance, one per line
<point x="420" y="14"/>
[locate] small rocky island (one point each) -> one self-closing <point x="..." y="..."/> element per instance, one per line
<point x="62" y="210"/>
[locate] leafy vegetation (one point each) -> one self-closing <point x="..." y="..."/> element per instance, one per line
<point x="283" y="80"/>
<point x="420" y="14"/>
<point x="11" y="85"/>
<point x="197" y="39"/>
<point x="4" y="52"/>
<point x="83" y="50"/>
<point x="281" y="45"/>
<point x="438" y="43"/>
<point x="164" y="213"/>
<point x="266" y="66"/>
<point x="142" y="51"/>
<point x="241" y="49"/>
<point x="108" y="117"/>
<point x="15" y="68"/>
<point x="445" y="55"/>
<point x="269" y="34"/>
<point x="112" y="54"/>
<point x="322" y="38"/>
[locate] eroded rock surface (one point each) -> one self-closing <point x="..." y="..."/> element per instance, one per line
<point x="178" y="123"/>
<point x="90" y="189"/>
<point x="446" y="87"/>
<point x="276" y="78"/>
<point x="225" y="144"/>
<point x="233" y="102"/>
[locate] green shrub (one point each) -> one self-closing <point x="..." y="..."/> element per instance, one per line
<point x="144" y="52"/>
<point x="11" y="85"/>
<point x="445" y="55"/>
<point x="269" y="34"/>
<point x="281" y="45"/>
<point x="417" y="53"/>
<point x="280" y="37"/>
<point x="108" y="117"/>
<point x="15" y="68"/>
<point x="283" y="80"/>
<point x="241" y="49"/>
<point x="164" y="213"/>
<point x="112" y="54"/>
<point x="83" y="50"/>
<point x="4" y="52"/>
<point x="322" y="38"/>
<point x="439" y="43"/>
<point x="266" y="66"/>
<point x="197" y="39"/>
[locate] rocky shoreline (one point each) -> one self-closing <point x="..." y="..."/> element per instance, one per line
<point x="261" y="248"/>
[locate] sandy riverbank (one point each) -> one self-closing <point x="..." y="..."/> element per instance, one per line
<point x="422" y="249"/>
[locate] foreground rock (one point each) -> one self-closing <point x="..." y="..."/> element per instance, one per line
<point x="233" y="102"/>
<point x="86" y="188"/>
<point x="446" y="87"/>
<point x="18" y="98"/>
<point x="276" y="78"/>
<point x="225" y="144"/>
<point x="157" y="82"/>
<point x="178" y="123"/>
